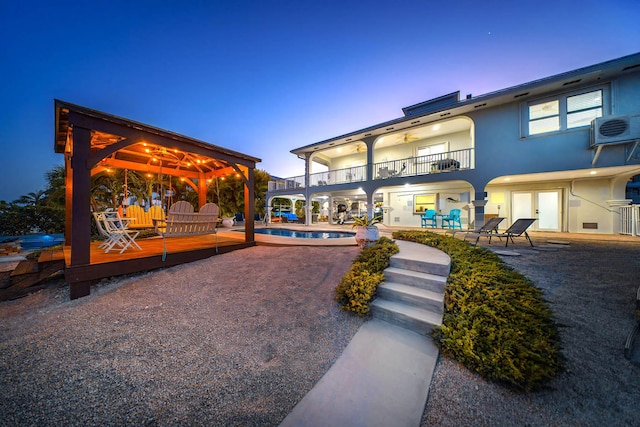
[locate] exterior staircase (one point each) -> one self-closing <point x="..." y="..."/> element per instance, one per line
<point x="412" y="295"/>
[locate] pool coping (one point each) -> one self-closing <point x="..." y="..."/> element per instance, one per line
<point x="266" y="239"/>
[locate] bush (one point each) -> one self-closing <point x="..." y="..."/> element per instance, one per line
<point x="495" y="321"/>
<point x="358" y="287"/>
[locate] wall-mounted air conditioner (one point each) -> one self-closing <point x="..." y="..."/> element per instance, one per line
<point x="614" y="130"/>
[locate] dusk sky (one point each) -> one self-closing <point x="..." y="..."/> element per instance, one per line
<point x="264" y="77"/>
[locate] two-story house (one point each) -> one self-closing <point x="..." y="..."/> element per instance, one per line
<point x="561" y="149"/>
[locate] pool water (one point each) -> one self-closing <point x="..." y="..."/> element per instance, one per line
<point x="36" y="240"/>
<point x="303" y="234"/>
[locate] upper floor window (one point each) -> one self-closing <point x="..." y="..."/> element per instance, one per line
<point x="432" y="149"/>
<point x="564" y="112"/>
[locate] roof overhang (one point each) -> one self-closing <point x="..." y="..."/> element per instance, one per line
<point x="124" y="143"/>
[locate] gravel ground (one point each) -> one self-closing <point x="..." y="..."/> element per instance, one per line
<point x="591" y="288"/>
<point x="240" y="338"/>
<point x="237" y="339"/>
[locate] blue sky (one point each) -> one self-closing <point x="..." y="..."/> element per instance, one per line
<point x="264" y="77"/>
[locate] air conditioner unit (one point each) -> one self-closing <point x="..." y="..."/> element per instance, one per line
<point x="614" y="130"/>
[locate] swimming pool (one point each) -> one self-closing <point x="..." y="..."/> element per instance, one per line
<point x="36" y="240"/>
<point x="303" y="234"/>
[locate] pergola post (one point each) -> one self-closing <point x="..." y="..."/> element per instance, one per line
<point x="80" y="206"/>
<point x="202" y="191"/>
<point x="249" y="209"/>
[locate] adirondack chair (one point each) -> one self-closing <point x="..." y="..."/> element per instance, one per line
<point x="428" y="219"/>
<point x="452" y="220"/>
<point x="142" y="219"/>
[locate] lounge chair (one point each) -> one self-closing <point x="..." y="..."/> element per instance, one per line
<point x="489" y="229"/>
<point x="517" y="229"/>
<point x="452" y="220"/>
<point x="428" y="219"/>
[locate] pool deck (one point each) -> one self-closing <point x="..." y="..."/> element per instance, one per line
<point x="538" y="237"/>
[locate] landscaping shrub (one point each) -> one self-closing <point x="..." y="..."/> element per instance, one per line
<point x="358" y="287"/>
<point x="495" y="321"/>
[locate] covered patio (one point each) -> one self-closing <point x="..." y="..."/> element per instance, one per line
<point x="93" y="142"/>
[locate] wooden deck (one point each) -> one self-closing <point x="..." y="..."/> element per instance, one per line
<point x="179" y="250"/>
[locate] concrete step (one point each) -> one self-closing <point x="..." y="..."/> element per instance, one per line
<point x="430" y="282"/>
<point x="421" y="298"/>
<point x="418" y="257"/>
<point x="415" y="319"/>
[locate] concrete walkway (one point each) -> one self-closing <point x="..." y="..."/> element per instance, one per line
<point x="381" y="379"/>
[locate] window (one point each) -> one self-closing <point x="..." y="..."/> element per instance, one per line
<point x="564" y="112"/>
<point x="423" y="202"/>
<point x="432" y="149"/>
<point x="544" y="117"/>
<point x="582" y="109"/>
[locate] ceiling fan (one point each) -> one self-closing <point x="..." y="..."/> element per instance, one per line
<point x="360" y="148"/>
<point x="408" y="138"/>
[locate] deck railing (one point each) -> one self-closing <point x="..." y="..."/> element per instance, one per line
<point x="422" y="165"/>
<point x="630" y="220"/>
<point x="338" y="176"/>
<point x="410" y="166"/>
<point x="287" y="183"/>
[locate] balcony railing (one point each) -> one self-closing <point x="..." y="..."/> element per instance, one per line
<point x="432" y="163"/>
<point x="411" y="166"/>
<point x="338" y="176"/>
<point x="287" y="183"/>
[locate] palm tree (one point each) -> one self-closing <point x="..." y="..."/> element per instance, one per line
<point x="35" y="198"/>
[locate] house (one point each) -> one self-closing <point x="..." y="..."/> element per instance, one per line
<point x="560" y="149"/>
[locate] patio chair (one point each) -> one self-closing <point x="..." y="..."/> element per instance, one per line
<point x="489" y="229"/>
<point x="517" y="229"/>
<point x="114" y="228"/>
<point x="452" y="220"/>
<point x="428" y="218"/>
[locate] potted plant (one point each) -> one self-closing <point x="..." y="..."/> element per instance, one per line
<point x="367" y="233"/>
<point x="227" y="219"/>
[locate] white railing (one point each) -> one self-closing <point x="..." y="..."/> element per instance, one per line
<point x="630" y="220"/>
<point x="287" y="183"/>
<point x="410" y="166"/>
<point x="338" y="176"/>
<point x="432" y="163"/>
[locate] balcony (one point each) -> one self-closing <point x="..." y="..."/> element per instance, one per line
<point x="423" y="165"/>
<point x="410" y="166"/>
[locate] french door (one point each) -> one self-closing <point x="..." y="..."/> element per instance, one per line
<point x="544" y="205"/>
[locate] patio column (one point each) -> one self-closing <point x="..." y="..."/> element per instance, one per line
<point x="369" y="141"/>
<point x="369" y="205"/>
<point x="330" y="210"/>
<point x="479" y="204"/>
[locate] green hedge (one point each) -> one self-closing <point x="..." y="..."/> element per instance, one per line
<point x="358" y="287"/>
<point x="496" y="321"/>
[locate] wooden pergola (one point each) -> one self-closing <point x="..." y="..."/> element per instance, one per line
<point x="92" y="142"/>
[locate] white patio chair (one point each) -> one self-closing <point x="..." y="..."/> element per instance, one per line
<point x="115" y="229"/>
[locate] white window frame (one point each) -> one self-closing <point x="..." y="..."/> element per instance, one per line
<point x="563" y="111"/>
